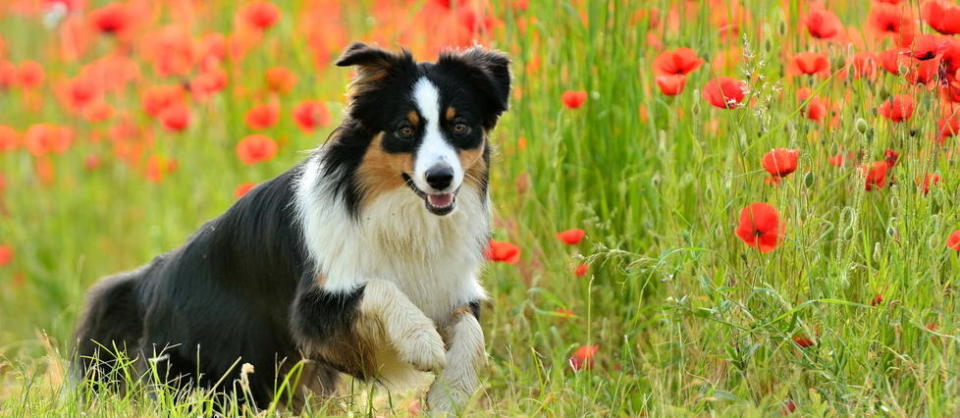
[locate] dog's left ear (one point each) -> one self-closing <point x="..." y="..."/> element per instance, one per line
<point x="489" y="70"/>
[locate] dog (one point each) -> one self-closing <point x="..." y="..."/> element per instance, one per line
<point x="362" y="259"/>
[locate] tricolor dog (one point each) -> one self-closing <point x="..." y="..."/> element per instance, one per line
<point x="362" y="259"/>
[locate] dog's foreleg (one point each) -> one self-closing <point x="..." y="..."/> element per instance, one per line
<point x="407" y="329"/>
<point x="466" y="354"/>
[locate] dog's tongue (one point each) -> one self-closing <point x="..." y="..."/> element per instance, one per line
<point x="440" y="200"/>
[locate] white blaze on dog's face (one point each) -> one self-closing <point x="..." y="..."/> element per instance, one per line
<point x="427" y="124"/>
<point x="437" y="171"/>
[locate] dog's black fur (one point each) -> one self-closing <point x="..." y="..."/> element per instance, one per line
<point x="243" y="288"/>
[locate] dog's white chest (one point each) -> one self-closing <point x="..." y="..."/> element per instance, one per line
<point x="434" y="260"/>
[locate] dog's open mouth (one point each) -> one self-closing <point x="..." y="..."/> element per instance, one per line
<point x="438" y="204"/>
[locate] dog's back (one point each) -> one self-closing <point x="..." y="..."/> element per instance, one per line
<point x="221" y="298"/>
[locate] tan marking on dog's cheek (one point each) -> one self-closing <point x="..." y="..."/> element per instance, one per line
<point x="413" y="117"/>
<point x="381" y="172"/>
<point x="473" y="164"/>
<point x="451" y="113"/>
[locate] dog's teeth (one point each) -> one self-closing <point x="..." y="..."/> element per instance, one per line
<point x="441" y="200"/>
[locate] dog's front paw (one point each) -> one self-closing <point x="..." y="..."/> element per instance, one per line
<point x="423" y="349"/>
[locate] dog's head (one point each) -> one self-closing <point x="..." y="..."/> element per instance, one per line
<point x="425" y="124"/>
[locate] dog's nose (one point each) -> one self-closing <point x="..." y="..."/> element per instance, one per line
<point x="439" y="176"/>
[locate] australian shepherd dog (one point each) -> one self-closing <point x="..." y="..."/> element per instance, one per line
<point x="362" y="259"/>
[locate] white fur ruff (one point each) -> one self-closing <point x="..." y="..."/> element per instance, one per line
<point x="434" y="260"/>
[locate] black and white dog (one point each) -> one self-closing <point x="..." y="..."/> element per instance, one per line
<point x="363" y="259"/>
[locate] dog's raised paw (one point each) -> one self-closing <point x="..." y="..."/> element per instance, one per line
<point x="424" y="350"/>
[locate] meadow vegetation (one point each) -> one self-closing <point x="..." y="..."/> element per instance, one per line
<point x="767" y="216"/>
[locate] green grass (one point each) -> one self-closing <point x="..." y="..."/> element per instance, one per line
<point x="689" y="320"/>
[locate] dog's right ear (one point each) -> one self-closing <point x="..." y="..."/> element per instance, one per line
<point x="373" y="64"/>
<point x="361" y="54"/>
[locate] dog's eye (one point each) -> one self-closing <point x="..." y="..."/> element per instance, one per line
<point x="405" y="131"/>
<point x="461" y="128"/>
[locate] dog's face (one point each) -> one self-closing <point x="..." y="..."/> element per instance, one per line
<point x="427" y="122"/>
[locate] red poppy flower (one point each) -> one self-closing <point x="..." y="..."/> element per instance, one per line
<point x="571" y="236"/>
<point x="875" y="174"/>
<point x="724" y="92"/>
<point x="898" y="108"/>
<point x="263" y="116"/>
<point x="953" y="241"/>
<point x="280" y="80"/>
<point x="158" y="167"/>
<point x="256" y="149"/>
<point x="780" y="162"/>
<point x="450" y="4"/>
<point x="176" y="118"/>
<point x="671" y="85"/>
<point x="942" y="16"/>
<point x="212" y="49"/>
<point x="948" y="126"/>
<point x="680" y="61"/>
<point x="76" y="94"/>
<point x="209" y="82"/>
<point x="823" y="24"/>
<point x="311" y="114"/>
<point x="6" y="255"/>
<point x="802" y="340"/>
<point x="812" y="62"/>
<point x="8" y="74"/>
<point x="878" y="299"/>
<point x="818" y="109"/>
<point x="923" y="72"/>
<point x="891" y="157"/>
<point x="788" y="407"/>
<point x="565" y="313"/>
<point x="475" y="20"/>
<point x="583" y="357"/>
<point x="891" y="59"/>
<point x="932" y="326"/>
<point x="839" y="159"/>
<point x="927" y="181"/>
<point x="243" y="188"/>
<point x="260" y="14"/>
<point x="581" y="270"/>
<point x="9" y="138"/>
<point x="760" y="227"/>
<point x="98" y="111"/>
<point x="112" y="19"/>
<point x="92" y="162"/>
<point x="43" y="138"/>
<point x="925" y="47"/>
<point x="155" y="99"/>
<point x="574" y="99"/>
<point x="504" y="252"/>
<point x="889" y="20"/>
<point x="950" y="56"/>
<point x="864" y="64"/>
<point x="30" y="74"/>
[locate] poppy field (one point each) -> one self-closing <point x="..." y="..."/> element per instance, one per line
<point x="710" y="207"/>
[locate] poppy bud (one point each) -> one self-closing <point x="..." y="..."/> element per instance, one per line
<point x="695" y="109"/>
<point x="861" y="125"/>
